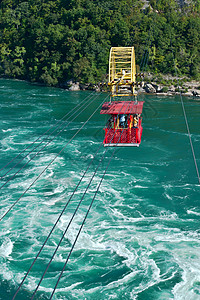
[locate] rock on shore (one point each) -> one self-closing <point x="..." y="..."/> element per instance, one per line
<point x="190" y="88"/>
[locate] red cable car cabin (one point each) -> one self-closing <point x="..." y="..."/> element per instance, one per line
<point x="124" y="127"/>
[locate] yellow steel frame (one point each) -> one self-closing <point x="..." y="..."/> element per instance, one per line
<point x="122" y="71"/>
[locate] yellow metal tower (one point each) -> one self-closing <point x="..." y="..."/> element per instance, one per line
<point x="122" y="71"/>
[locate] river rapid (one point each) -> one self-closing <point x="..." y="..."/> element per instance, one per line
<point x="141" y="239"/>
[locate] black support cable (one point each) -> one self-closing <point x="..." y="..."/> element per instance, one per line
<point x="50" y="162"/>
<point x="183" y="108"/>
<point x="55" y="224"/>
<point x="147" y="60"/>
<point x="143" y="64"/>
<point x="81" y="226"/>
<point x="48" y="142"/>
<point x="186" y="121"/>
<point x="85" y="218"/>
<point x="146" y="51"/>
<point x="91" y="179"/>
<point x="45" y="132"/>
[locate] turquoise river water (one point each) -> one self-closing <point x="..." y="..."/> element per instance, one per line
<point x="141" y="239"/>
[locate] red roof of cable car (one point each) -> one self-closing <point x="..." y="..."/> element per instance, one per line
<point x="122" y="107"/>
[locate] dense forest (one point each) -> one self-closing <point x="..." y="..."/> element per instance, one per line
<point x="53" y="41"/>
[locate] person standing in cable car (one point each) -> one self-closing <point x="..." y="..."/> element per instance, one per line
<point x="110" y="123"/>
<point x="122" y="121"/>
<point x="131" y="122"/>
<point x="135" y="120"/>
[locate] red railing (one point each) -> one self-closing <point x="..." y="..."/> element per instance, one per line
<point x="122" y="135"/>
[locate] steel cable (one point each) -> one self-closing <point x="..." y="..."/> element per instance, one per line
<point x="186" y="121"/>
<point x="47" y="142"/>
<point x="91" y="179"/>
<point x="50" y="163"/>
<point x="57" y="220"/>
<point x="84" y="218"/>
<point x="55" y="224"/>
<point x="44" y="133"/>
<point x="146" y="51"/>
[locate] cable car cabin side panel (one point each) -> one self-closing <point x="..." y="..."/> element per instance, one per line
<point x="122" y="137"/>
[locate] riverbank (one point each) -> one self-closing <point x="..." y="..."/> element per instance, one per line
<point x="163" y="85"/>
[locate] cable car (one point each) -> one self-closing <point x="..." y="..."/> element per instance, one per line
<point x="124" y="126"/>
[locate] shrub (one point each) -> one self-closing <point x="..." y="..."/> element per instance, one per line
<point x="165" y="89"/>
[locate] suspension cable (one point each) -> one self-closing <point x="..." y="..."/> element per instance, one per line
<point x="80" y="229"/>
<point x="46" y="132"/>
<point x="144" y="60"/>
<point x="146" y="53"/>
<point x="55" y="224"/>
<point x="50" y="163"/>
<point x="91" y="179"/>
<point x="47" y="142"/>
<point x="186" y="121"/>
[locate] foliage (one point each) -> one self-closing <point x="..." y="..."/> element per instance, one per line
<point x="53" y="41"/>
<point x="165" y="89"/>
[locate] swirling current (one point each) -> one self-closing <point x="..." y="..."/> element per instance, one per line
<point x="141" y="239"/>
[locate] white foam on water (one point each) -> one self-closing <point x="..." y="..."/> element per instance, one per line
<point x="6" y="273"/>
<point x="125" y="280"/>
<point x="190" y="278"/>
<point x="104" y="188"/>
<point x="33" y="219"/>
<point x="58" y="290"/>
<point x="6" y="248"/>
<point x="155" y="280"/>
<point x="168" y="215"/>
<point x="7" y="144"/>
<point x="7" y="130"/>
<point x="164" y="215"/>
<point x="85" y="240"/>
<point x="121" y="250"/>
<point x="51" y="95"/>
<point x="23" y="184"/>
<point x="193" y="212"/>
<point x="168" y="196"/>
<point x="19" y="276"/>
<point x="52" y="202"/>
<point x="4" y="232"/>
<point x="90" y="156"/>
<point x="31" y="284"/>
<point x="178" y="237"/>
<point x="91" y="291"/>
<point x="141" y="187"/>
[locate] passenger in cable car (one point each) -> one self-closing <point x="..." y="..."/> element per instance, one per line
<point x="110" y="123"/>
<point x="126" y="121"/>
<point x="117" y="122"/>
<point x="135" y="120"/>
<point x="131" y="121"/>
<point x="122" y="121"/>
